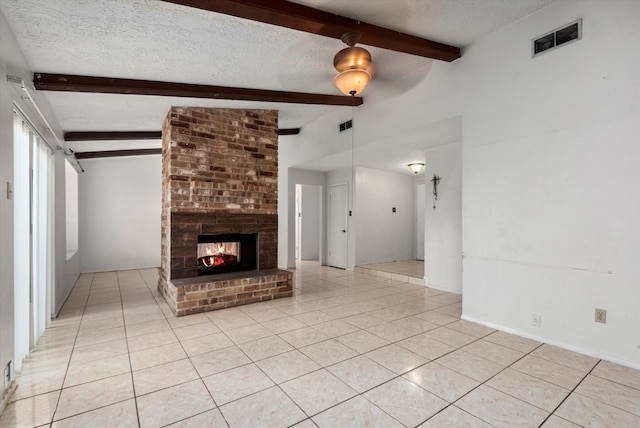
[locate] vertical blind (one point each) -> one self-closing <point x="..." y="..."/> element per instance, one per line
<point x="33" y="243"/>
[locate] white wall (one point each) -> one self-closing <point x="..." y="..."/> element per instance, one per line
<point x="383" y="235"/>
<point x="310" y="222"/>
<point x="120" y="207"/>
<point x="443" y="225"/>
<point x="550" y="182"/>
<point x="549" y="172"/>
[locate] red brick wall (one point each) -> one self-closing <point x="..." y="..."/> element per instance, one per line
<point x="220" y="172"/>
<point x="221" y="159"/>
<point x="192" y="298"/>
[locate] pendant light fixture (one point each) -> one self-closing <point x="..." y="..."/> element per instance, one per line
<point x="353" y="64"/>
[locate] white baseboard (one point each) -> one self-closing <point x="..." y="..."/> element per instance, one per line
<point x="555" y="343"/>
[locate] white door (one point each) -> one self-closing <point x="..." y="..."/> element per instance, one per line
<point x="420" y="203"/>
<point x="298" y="220"/>
<point x="337" y="236"/>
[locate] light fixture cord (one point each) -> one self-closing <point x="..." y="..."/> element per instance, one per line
<point x="353" y="131"/>
<point x="353" y="170"/>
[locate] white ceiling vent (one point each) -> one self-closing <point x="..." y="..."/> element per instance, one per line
<point x="558" y="37"/>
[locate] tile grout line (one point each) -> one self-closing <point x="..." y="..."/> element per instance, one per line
<point x="570" y="394"/>
<point x="86" y="303"/>
<point x="88" y="382"/>
<point x="124" y="321"/>
<point x="156" y="299"/>
<point x="217" y="407"/>
<point x="320" y="368"/>
<point x="483" y="383"/>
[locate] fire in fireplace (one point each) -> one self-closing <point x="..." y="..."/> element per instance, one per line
<point x="218" y="254"/>
<point x="228" y="252"/>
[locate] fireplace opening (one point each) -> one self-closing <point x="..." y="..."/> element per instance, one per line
<point x="218" y="254"/>
<point x="228" y="252"/>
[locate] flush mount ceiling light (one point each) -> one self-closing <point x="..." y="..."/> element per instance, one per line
<point x="354" y="65"/>
<point x="416" y="167"/>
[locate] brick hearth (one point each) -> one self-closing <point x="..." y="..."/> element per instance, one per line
<point x="220" y="175"/>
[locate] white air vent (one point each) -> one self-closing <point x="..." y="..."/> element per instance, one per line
<point x="346" y="125"/>
<point x="557" y="37"/>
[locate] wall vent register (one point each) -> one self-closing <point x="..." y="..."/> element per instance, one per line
<point x="346" y="125"/>
<point x="557" y="37"/>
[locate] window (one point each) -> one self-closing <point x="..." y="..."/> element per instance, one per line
<point x="71" y="201"/>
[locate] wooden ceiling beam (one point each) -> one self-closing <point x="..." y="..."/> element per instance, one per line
<point x="111" y="135"/>
<point x="288" y="131"/>
<point x="117" y="153"/>
<point x="304" y="18"/>
<point x="136" y="135"/>
<point x="110" y="85"/>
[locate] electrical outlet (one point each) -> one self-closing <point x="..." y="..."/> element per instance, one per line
<point x="601" y="316"/>
<point x="536" y="320"/>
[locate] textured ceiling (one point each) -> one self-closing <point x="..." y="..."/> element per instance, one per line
<point x="154" y="40"/>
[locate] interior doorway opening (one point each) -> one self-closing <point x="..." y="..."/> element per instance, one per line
<point x="308" y="223"/>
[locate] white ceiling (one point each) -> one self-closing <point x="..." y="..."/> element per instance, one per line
<point x="154" y="40"/>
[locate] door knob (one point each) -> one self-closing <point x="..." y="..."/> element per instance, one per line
<point x="344" y="231"/>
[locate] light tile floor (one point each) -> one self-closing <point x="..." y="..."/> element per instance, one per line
<point x="348" y="350"/>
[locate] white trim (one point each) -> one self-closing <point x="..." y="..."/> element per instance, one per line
<point x="555" y="343"/>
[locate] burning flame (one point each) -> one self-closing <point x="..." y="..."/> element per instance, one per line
<point x="219" y="251"/>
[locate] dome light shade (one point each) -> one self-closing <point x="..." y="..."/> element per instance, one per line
<point x="352" y="82"/>
<point x="416" y="167"/>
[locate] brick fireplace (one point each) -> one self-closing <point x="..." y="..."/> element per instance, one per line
<point x="220" y="179"/>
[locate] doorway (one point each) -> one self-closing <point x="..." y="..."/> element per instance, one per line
<point x="337" y="225"/>
<point x="308" y="222"/>
<point x="420" y="218"/>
